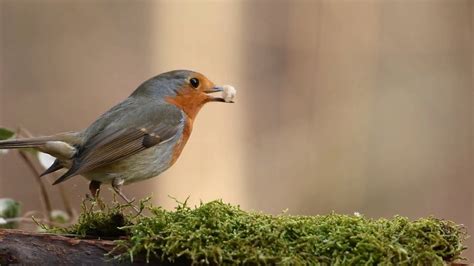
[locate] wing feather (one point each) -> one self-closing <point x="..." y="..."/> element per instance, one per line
<point x="114" y="144"/>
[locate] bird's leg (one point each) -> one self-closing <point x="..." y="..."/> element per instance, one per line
<point x="94" y="188"/>
<point x="117" y="184"/>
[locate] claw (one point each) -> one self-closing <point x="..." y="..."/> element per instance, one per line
<point x="117" y="186"/>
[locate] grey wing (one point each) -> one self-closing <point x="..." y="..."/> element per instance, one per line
<point x="142" y="130"/>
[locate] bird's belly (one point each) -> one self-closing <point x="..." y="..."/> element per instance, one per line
<point x="143" y="165"/>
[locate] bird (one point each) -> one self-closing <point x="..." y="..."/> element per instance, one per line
<point x="137" y="139"/>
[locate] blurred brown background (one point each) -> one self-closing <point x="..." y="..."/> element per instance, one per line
<point x="348" y="106"/>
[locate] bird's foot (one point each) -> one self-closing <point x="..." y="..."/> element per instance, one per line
<point x="117" y="186"/>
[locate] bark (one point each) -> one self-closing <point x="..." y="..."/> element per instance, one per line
<point x="21" y="247"/>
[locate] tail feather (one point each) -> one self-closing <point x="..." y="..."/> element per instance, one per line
<point x="23" y="143"/>
<point x="69" y="173"/>
<point x="44" y="144"/>
<point x="53" y="168"/>
<point x="61" y="146"/>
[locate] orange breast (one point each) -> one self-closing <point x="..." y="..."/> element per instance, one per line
<point x="190" y="101"/>
<point x="178" y="148"/>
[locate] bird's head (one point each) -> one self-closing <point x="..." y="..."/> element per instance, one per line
<point x="186" y="89"/>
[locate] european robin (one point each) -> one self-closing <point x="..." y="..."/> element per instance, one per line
<point x="137" y="139"/>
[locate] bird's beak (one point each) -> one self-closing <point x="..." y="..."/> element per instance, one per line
<point x="216" y="99"/>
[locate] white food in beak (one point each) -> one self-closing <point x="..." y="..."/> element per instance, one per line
<point x="228" y="93"/>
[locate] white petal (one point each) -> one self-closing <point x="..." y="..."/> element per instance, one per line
<point x="45" y="159"/>
<point x="3" y="221"/>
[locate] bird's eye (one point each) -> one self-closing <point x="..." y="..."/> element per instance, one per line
<point x="194" y="82"/>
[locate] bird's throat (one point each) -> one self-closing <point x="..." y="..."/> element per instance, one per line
<point x="190" y="101"/>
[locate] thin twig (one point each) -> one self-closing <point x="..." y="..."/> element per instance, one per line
<point x="44" y="193"/>
<point x="31" y="213"/>
<point x="62" y="191"/>
<point x="36" y="173"/>
<point x="25" y="132"/>
<point x="29" y="220"/>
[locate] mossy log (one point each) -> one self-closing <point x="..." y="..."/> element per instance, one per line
<point x="22" y="247"/>
<point x="216" y="233"/>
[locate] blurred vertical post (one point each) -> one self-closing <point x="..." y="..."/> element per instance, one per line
<point x="205" y="37"/>
<point x="317" y="61"/>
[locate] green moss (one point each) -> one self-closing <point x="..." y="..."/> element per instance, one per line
<point x="219" y="233"/>
<point x="99" y="220"/>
